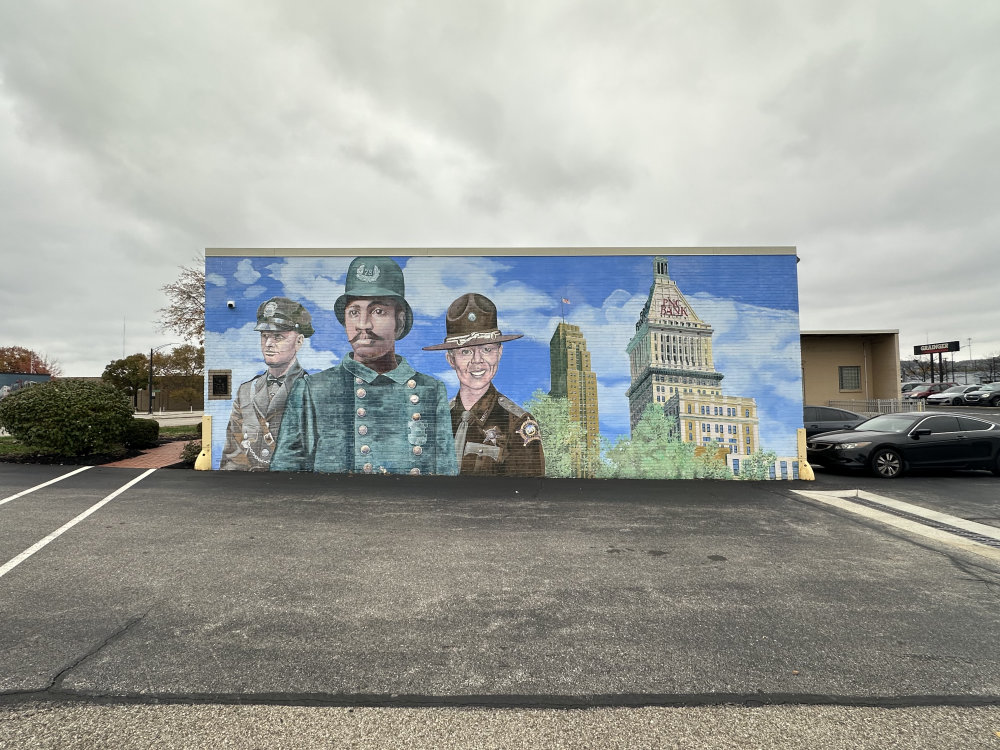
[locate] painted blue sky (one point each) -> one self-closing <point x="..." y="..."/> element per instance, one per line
<point x="751" y="302"/>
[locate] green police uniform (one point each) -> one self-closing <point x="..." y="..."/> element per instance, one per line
<point x="351" y="419"/>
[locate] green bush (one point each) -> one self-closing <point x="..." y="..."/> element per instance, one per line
<point x="142" y="433"/>
<point x="67" y="417"/>
<point x="191" y="452"/>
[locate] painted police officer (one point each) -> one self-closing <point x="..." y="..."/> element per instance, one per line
<point x="255" y="422"/>
<point x="372" y="413"/>
<point x="493" y="435"/>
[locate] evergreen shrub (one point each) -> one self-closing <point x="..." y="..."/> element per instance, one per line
<point x="67" y="417"/>
<point x="142" y="433"/>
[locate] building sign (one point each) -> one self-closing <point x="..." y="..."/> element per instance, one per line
<point x="948" y="346"/>
<point x="666" y="364"/>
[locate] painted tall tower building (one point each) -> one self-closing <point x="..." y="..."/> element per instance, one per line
<point x="671" y="364"/>
<point x="573" y="379"/>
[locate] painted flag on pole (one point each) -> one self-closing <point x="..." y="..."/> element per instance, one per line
<point x="565" y="301"/>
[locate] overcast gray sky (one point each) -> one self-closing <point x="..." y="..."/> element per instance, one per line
<point x="135" y="134"/>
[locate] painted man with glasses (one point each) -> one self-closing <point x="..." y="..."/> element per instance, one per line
<point x="493" y="435"/>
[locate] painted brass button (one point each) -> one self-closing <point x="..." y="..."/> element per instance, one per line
<point x="363" y="429"/>
<point x="361" y="393"/>
<point x="359" y="381"/>
<point x="416" y="416"/>
<point x="414" y="399"/>
<point x="362" y="411"/>
<point x="411" y="383"/>
<point x="415" y="471"/>
<point x="417" y="450"/>
<point x="367" y="468"/>
<point x="365" y="450"/>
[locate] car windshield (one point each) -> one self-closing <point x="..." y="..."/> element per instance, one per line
<point x="887" y="423"/>
<point x="991" y="387"/>
<point x="955" y="389"/>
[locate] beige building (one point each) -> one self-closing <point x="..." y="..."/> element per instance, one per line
<point x="572" y="378"/>
<point x="671" y="364"/>
<point x="849" y="365"/>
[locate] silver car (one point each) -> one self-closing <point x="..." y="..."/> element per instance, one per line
<point x="955" y="396"/>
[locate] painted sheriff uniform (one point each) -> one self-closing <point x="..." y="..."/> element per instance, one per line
<point x="350" y="418"/>
<point x="255" y="420"/>
<point x="496" y="437"/>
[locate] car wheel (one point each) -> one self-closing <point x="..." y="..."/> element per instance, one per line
<point x="995" y="401"/>
<point x="956" y="402"/>
<point x="887" y="463"/>
<point x="996" y="466"/>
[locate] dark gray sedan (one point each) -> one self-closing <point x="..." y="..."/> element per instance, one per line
<point x="817" y="419"/>
<point x="890" y="444"/>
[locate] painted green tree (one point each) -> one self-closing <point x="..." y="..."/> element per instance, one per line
<point x="655" y="451"/>
<point x="564" y="440"/>
<point x="758" y="465"/>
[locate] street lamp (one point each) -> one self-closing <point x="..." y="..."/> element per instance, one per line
<point x="970" y="363"/>
<point x="163" y="346"/>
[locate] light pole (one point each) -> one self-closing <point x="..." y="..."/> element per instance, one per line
<point x="163" y="346"/>
<point x="970" y="363"/>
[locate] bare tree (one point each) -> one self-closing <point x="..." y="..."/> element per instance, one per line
<point x="25" y="361"/>
<point x="185" y="315"/>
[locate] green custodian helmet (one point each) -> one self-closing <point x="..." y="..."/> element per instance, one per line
<point x="375" y="277"/>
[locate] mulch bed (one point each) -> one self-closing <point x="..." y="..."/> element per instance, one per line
<point x="94" y="459"/>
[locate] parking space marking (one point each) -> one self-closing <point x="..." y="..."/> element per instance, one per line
<point x="14" y="562"/>
<point x="44" y="484"/>
<point x="844" y="499"/>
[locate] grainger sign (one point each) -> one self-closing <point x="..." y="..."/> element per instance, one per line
<point x="947" y="346"/>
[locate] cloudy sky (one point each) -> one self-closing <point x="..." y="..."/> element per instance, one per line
<point x="133" y="135"/>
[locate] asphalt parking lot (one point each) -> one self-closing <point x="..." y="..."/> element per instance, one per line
<point x="203" y="592"/>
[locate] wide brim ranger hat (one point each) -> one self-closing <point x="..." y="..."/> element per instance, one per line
<point x="471" y="320"/>
<point x="375" y="277"/>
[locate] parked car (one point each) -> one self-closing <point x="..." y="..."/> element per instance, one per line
<point x="954" y="395"/>
<point x="907" y="387"/>
<point x="984" y="395"/>
<point x="890" y="444"/>
<point x="819" y="419"/>
<point x="923" y="391"/>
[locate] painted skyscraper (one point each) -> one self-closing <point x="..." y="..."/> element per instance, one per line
<point x="671" y="364"/>
<point x="572" y="378"/>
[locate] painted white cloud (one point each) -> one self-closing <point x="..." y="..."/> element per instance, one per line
<point x="254" y="291"/>
<point x="245" y="272"/>
<point x="314" y="282"/>
<point x="215" y="279"/>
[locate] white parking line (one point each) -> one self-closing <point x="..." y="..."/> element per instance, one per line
<point x="843" y="499"/>
<point x="44" y="484"/>
<point x="14" y="562"/>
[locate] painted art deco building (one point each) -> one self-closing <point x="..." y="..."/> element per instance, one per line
<point x="671" y="364"/>
<point x="573" y="379"/>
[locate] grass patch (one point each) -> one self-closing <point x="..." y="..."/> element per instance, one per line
<point x="181" y="431"/>
<point x="10" y="447"/>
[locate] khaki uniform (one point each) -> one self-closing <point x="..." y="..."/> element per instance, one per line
<point x="496" y="437"/>
<point x="252" y="433"/>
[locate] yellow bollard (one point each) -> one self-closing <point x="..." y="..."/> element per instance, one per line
<point x="204" y="460"/>
<point x="805" y="470"/>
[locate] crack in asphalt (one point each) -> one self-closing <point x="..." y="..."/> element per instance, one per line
<point x="55" y="684"/>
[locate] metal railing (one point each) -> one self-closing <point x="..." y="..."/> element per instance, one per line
<point x="874" y="406"/>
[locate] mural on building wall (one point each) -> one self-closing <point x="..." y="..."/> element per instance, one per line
<point x="672" y="366"/>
